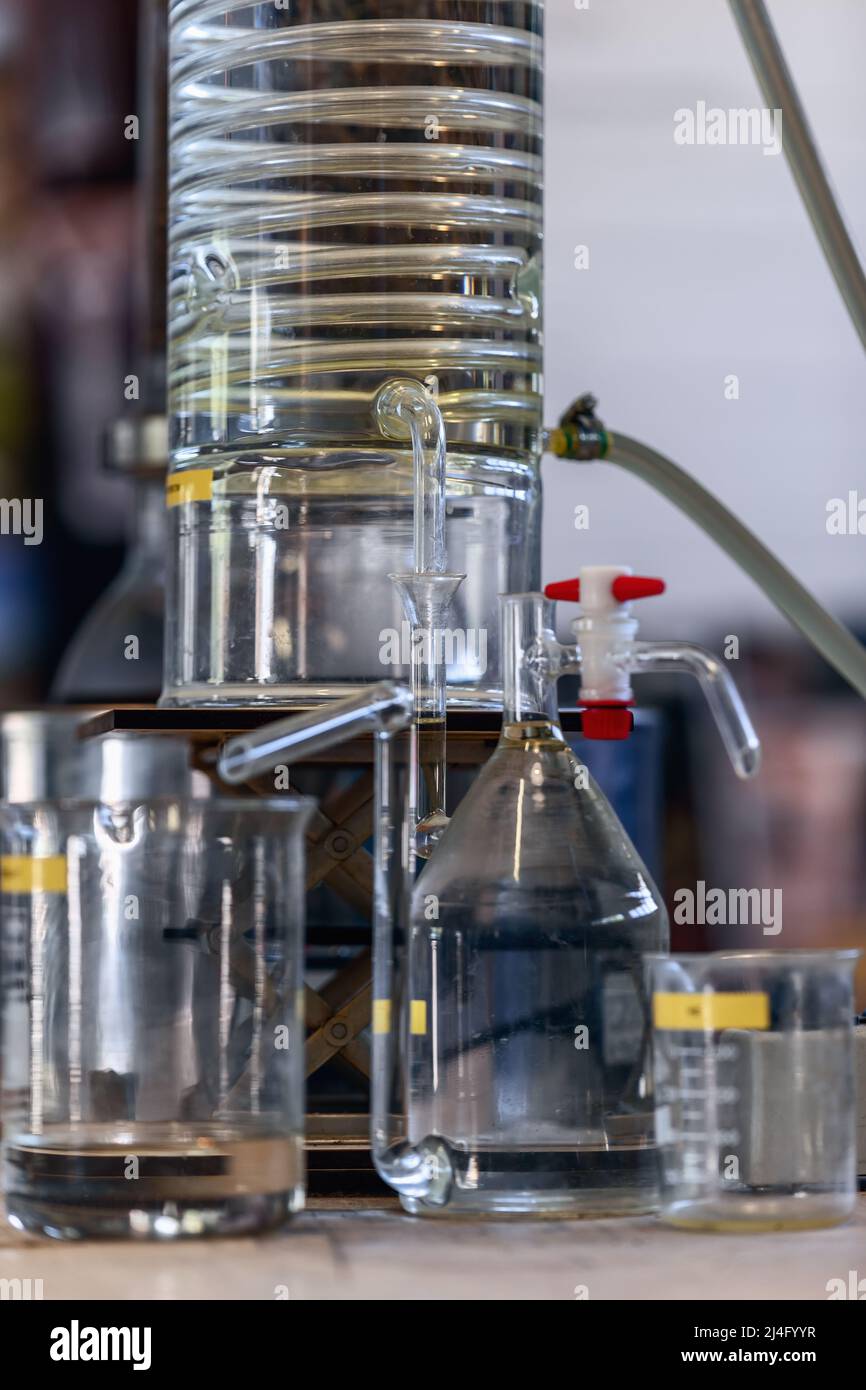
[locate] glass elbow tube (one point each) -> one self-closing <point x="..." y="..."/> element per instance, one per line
<point x="732" y="719"/>
<point x="351" y="199"/>
<point x="406" y="409"/>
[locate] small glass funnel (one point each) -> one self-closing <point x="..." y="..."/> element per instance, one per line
<point x="156" y="1087"/>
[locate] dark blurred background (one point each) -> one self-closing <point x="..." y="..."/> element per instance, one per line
<point x="68" y="240"/>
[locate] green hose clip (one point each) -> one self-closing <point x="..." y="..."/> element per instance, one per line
<point x="580" y="435"/>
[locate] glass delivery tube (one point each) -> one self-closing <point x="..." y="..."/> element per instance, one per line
<point x="355" y="195"/>
<point x="427" y="595"/>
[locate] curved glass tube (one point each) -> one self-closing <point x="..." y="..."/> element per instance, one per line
<point x="732" y="720"/>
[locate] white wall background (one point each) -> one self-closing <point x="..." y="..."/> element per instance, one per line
<point x="702" y="263"/>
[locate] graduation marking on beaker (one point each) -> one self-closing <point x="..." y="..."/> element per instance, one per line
<point x="24" y="873"/>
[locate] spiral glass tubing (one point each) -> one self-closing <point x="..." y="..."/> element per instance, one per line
<point x="355" y="195"/>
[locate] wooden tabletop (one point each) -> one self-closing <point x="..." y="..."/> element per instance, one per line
<point x="382" y="1254"/>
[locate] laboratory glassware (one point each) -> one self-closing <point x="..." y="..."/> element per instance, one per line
<point x="157" y="1088"/>
<point x="355" y="193"/>
<point x="510" y="1037"/>
<point x="753" y="1063"/>
<point x="117" y="652"/>
<point x="427" y="596"/>
<point x="510" y="1016"/>
<point x="44" y="758"/>
<point x="527" y="1018"/>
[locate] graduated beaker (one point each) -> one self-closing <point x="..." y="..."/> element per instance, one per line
<point x="156" y="1087"/>
<point x="754" y="1087"/>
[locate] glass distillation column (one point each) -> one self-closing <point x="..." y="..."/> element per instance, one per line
<point x="355" y="196"/>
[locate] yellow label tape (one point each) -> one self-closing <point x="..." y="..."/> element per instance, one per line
<point x="418" y="1017"/>
<point x="381" y="1015"/>
<point x="194" y="486"/>
<point x="707" y="1013"/>
<point x="20" y="873"/>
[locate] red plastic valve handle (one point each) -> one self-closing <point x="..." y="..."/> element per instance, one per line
<point x="632" y="586"/>
<point x="568" y="590"/>
<point x="625" y="588"/>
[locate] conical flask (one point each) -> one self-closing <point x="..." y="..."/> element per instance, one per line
<point x="528" y="1018"/>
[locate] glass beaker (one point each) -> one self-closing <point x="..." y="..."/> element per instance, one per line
<point x="753" y="1071"/>
<point x="356" y="194"/>
<point x="157" y="1088"/>
<point x="42" y="758"/>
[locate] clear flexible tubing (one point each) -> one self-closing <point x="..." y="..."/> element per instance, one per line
<point x="780" y="93"/>
<point x="581" y="436"/>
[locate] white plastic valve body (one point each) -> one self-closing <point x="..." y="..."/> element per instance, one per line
<point x="604" y="632"/>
